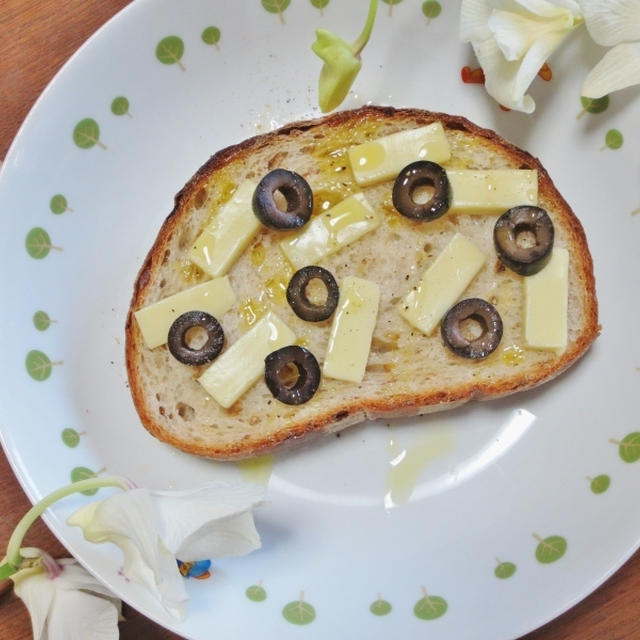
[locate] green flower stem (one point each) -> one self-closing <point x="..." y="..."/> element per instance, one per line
<point x="13" y="556"/>
<point x="363" y="38"/>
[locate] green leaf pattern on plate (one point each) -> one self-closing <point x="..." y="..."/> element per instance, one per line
<point x="256" y="593"/>
<point x="613" y="139"/>
<point x="429" y="607"/>
<point x="276" y="6"/>
<point x="120" y="106"/>
<point x="319" y="4"/>
<point x="41" y="320"/>
<point x="211" y="35"/>
<point x="170" y="51"/>
<point x="38" y="365"/>
<point x="70" y="437"/>
<point x="299" y="612"/>
<point x="83" y="473"/>
<point x="58" y="204"/>
<point x="550" y="549"/>
<point x="431" y="9"/>
<point x="38" y="243"/>
<point x="380" y="607"/>
<point x="629" y="447"/>
<point x="593" y="105"/>
<point x="504" y="570"/>
<point x="86" y="134"/>
<point x="600" y="483"/>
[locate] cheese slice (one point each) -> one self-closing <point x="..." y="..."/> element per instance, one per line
<point x="546" y="300"/>
<point x="442" y="284"/>
<point x="228" y="234"/>
<point x="214" y="296"/>
<point x="493" y="191"/>
<point x="353" y="323"/>
<point x="242" y="364"/>
<point x="385" y="157"/>
<point x="331" y="230"/>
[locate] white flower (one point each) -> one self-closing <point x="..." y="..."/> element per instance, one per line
<point x="65" y="602"/>
<point x="613" y="23"/>
<point x="154" y="528"/>
<point x="512" y="39"/>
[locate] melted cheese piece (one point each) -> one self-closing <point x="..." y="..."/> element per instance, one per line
<point x="353" y="323"/>
<point x="214" y="296"/>
<point x="241" y="365"/>
<point x="442" y="284"/>
<point x="228" y="234"/>
<point x="385" y="157"/>
<point x="493" y="191"/>
<point x="331" y="230"/>
<point x="546" y="302"/>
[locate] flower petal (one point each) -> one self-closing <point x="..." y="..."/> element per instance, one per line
<point x="618" y="69"/>
<point x="474" y="19"/>
<point x="37" y="591"/>
<point x="611" y="22"/>
<point x="77" y="615"/>
<point x="128" y="519"/>
<point x="516" y="33"/>
<point x="500" y="77"/>
<point x="212" y="521"/>
<point x="535" y="57"/>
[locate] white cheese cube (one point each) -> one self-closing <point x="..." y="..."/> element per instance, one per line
<point x="242" y="364"/>
<point x="385" y="157"/>
<point x="442" y="283"/>
<point x="214" y="296"/>
<point x="546" y="300"/>
<point x="353" y="323"/>
<point x="228" y="234"/>
<point x="331" y="230"/>
<point x="493" y="191"/>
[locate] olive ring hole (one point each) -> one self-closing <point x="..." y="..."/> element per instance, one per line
<point x="422" y="191"/>
<point x="525" y="236"/>
<point x="473" y="327"/>
<point x="312" y="293"/>
<point x="195" y="338"/>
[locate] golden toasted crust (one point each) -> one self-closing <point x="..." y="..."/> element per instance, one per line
<point x="174" y="407"/>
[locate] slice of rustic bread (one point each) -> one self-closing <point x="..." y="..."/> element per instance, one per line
<point x="407" y="373"/>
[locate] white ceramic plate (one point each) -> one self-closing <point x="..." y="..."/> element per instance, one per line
<point x="445" y="514"/>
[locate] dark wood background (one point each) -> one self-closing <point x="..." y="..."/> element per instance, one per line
<point x="36" y="38"/>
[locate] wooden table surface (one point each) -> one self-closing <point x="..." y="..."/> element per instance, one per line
<point x="36" y="38"/>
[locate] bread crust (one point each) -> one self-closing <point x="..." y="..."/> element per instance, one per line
<point x="337" y="416"/>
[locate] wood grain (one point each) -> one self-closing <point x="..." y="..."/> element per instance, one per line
<point x="37" y="37"/>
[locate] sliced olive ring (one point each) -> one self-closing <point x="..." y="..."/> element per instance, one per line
<point x="516" y="225"/>
<point x="422" y="173"/>
<point x="485" y="315"/>
<point x="177" y="339"/>
<point x="296" y="192"/>
<point x="276" y="366"/>
<point x="297" y="294"/>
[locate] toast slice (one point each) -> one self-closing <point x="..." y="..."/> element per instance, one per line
<point x="407" y="372"/>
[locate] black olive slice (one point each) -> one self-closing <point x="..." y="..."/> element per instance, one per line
<point x="296" y="192"/>
<point x="523" y="237"/>
<point x="178" y="344"/>
<point x="484" y="315"/>
<point x="422" y="173"/>
<point x="297" y="294"/>
<point x="280" y="362"/>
